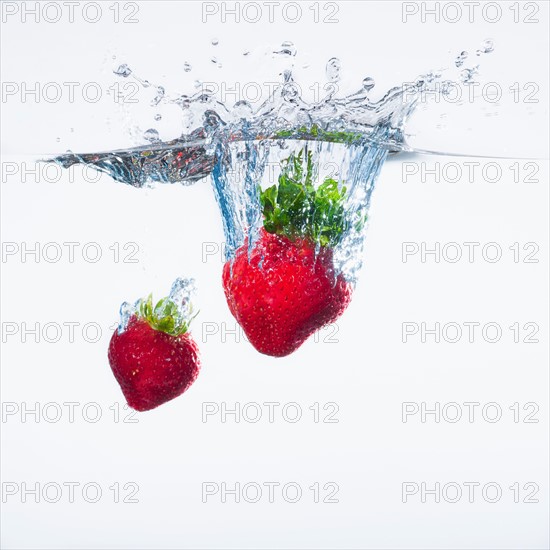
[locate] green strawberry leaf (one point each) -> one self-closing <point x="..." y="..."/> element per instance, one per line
<point x="165" y="316"/>
<point x="294" y="208"/>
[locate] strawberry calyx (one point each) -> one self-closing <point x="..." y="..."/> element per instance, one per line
<point x="295" y="209"/>
<point x="164" y="316"/>
<point x="171" y="315"/>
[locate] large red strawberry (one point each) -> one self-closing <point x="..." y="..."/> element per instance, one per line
<point x="285" y="288"/>
<point x="153" y="357"/>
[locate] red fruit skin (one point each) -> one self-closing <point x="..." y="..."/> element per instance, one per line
<point x="284" y="293"/>
<point x="152" y="367"/>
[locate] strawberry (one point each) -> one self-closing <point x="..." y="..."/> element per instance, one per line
<point x="285" y="287"/>
<point x="153" y="357"/>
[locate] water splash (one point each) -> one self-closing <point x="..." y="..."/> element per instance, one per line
<point x="185" y="161"/>
<point x="206" y="120"/>
<point x="123" y="70"/>
<point x="333" y="69"/>
<point x="246" y="168"/>
<point x="178" y="304"/>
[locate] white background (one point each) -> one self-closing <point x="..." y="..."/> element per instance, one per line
<point x="369" y="372"/>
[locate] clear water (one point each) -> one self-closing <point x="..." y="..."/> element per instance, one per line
<point x="206" y="121"/>
<point x="244" y="168"/>
<point x="244" y="148"/>
<point x="181" y="295"/>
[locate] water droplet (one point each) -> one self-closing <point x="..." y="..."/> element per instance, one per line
<point x="287" y="50"/>
<point x="123" y="70"/>
<point x="151" y="135"/>
<point x="157" y="117"/>
<point x="487" y="46"/>
<point x="290" y="91"/>
<point x="214" y="60"/>
<point x="215" y="41"/>
<point x="58" y="139"/>
<point x="126" y="312"/>
<point x="212" y="119"/>
<point x="187" y="67"/>
<point x="220" y="65"/>
<point x="368" y="83"/>
<point x="181" y="293"/>
<point x="158" y="98"/>
<point x="467" y="75"/>
<point x="72" y="130"/>
<point x="242" y="109"/>
<point x="182" y="101"/>
<point x="459" y="61"/>
<point x="447" y="86"/>
<point x="333" y="69"/>
<point x="246" y="53"/>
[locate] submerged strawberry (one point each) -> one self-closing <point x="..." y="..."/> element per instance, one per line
<point x="284" y="293"/>
<point x="151" y="354"/>
<point x="285" y="288"/>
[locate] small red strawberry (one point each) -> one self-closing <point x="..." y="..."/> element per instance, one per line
<point x="285" y="288"/>
<point x="153" y="357"/>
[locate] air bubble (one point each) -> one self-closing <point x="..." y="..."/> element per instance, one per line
<point x="368" y="83"/>
<point x="151" y="135"/>
<point x="487" y="46"/>
<point x="290" y="91"/>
